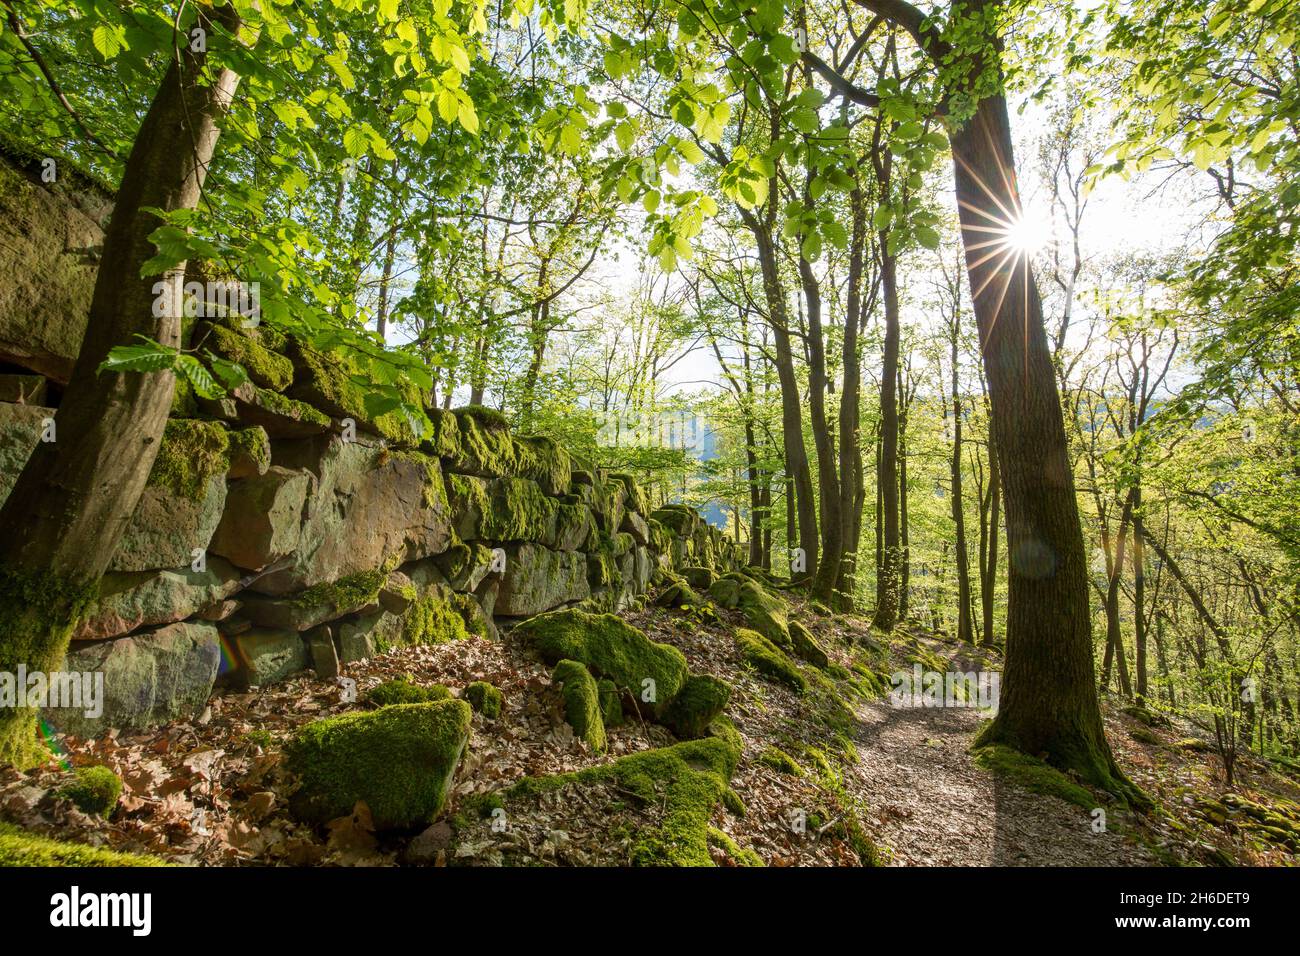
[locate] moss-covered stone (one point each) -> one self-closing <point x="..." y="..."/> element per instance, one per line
<point x="192" y="452"/>
<point x="611" y="703"/>
<point x="262" y="365"/>
<point x="344" y="595"/>
<point x="434" y="619"/>
<point x="683" y="783"/>
<point x="766" y="614"/>
<point x="780" y="761"/>
<point x="581" y="702"/>
<point x="612" y="648"/>
<point x="20" y="848"/>
<point x="403" y="691"/>
<point x="633" y="494"/>
<point x="806" y="648"/>
<point x="769" y="660"/>
<point x="249" y="453"/>
<point x="95" y="790"/>
<point x="400" y="760"/>
<point x="702" y="698"/>
<point x="485" y="699"/>
<point x="544" y="461"/>
<point x="328" y="380"/>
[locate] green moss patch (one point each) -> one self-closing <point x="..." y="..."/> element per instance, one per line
<point x="400" y="760"/>
<point x="769" y="660"/>
<point x="20" y="848"/>
<point x="612" y="648"/>
<point x="433" y="619"/>
<point x="611" y="703"/>
<point x="485" y="699"/>
<point x="1030" y="773"/>
<point x="681" y="785"/>
<point x="581" y="702"/>
<point x="262" y="365"/>
<point x="780" y="761"/>
<point x="403" y="691"/>
<point x="737" y="856"/>
<point x="766" y="613"/>
<point x="95" y="790"/>
<point x="701" y="699"/>
<point x="191" y="454"/>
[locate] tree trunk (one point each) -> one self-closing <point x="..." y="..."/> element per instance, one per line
<point x="886" y="615"/>
<point x="74" y="498"/>
<point x="989" y="565"/>
<point x="1048" y="701"/>
<point x="965" y="625"/>
<point x="850" y="397"/>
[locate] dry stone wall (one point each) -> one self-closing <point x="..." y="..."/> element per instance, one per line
<point x="283" y="528"/>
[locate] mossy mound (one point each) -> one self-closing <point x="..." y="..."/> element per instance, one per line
<point x="702" y="698"/>
<point x="766" y="613"/>
<point x="347" y="594"/>
<point x="1030" y="773"/>
<point x="581" y="702"/>
<point x="96" y="791"/>
<point x="769" y="660"/>
<point x="684" y="782"/>
<point x="192" y="453"/>
<point x="806" y="648"/>
<point x="612" y="648"/>
<point x="780" y="761"/>
<point x="262" y="365"/>
<point x="328" y="380"/>
<point x="20" y="848"/>
<point x="400" y="760"/>
<point x="403" y="691"/>
<point x="611" y="703"/>
<point x="485" y="699"/>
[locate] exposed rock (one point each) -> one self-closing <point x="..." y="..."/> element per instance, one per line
<point x="263" y="518"/>
<point x="538" y="579"/>
<point x="128" y="601"/>
<point x="49" y="236"/>
<point x="322" y="652"/>
<point x="149" y="679"/>
<point x="265" y="656"/>
<point x="23" y="389"/>
<point x="168" y="527"/>
<point x="368" y="506"/>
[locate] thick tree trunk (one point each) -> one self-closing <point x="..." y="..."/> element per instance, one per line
<point x="72" y="502"/>
<point x="1049" y="701"/>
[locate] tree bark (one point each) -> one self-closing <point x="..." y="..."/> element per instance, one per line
<point x="73" y="500"/>
<point x="887" y="571"/>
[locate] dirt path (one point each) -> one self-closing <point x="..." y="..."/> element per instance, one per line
<point x="931" y="806"/>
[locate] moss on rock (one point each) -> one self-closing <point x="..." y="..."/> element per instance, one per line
<point x="400" y="760"/>
<point x="433" y="619"/>
<point x="766" y="613"/>
<point x="769" y="660"/>
<point x="249" y="453"/>
<point x="805" y="646"/>
<point x="612" y="648"/>
<point x="95" y="790"/>
<point x="738" y="856"/>
<point x="1032" y="774"/>
<point x="581" y="702"/>
<point x="403" y="691"/>
<point x="262" y="365"/>
<point x="192" y="452"/>
<point x="484" y="698"/>
<point x="702" y="698"/>
<point x="611" y="703"/>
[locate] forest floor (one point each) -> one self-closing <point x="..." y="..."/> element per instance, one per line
<point x="835" y="776"/>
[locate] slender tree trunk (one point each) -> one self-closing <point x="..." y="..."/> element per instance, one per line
<point x="904" y="520"/>
<point x="850" y="399"/>
<point x="73" y="500"/>
<point x="887" y="573"/>
<point x="965" y="626"/>
<point x="832" y="531"/>
<point x="1139" y="598"/>
<point x="797" y="467"/>
<point x="989" y="568"/>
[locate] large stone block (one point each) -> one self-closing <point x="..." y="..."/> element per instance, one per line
<point x="262" y="520"/>
<point x="368" y="505"/>
<point x="20" y="430"/>
<point x="538" y="579"/>
<point x="129" y="601"/>
<point x="149" y="679"/>
<point x="169" y="525"/>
